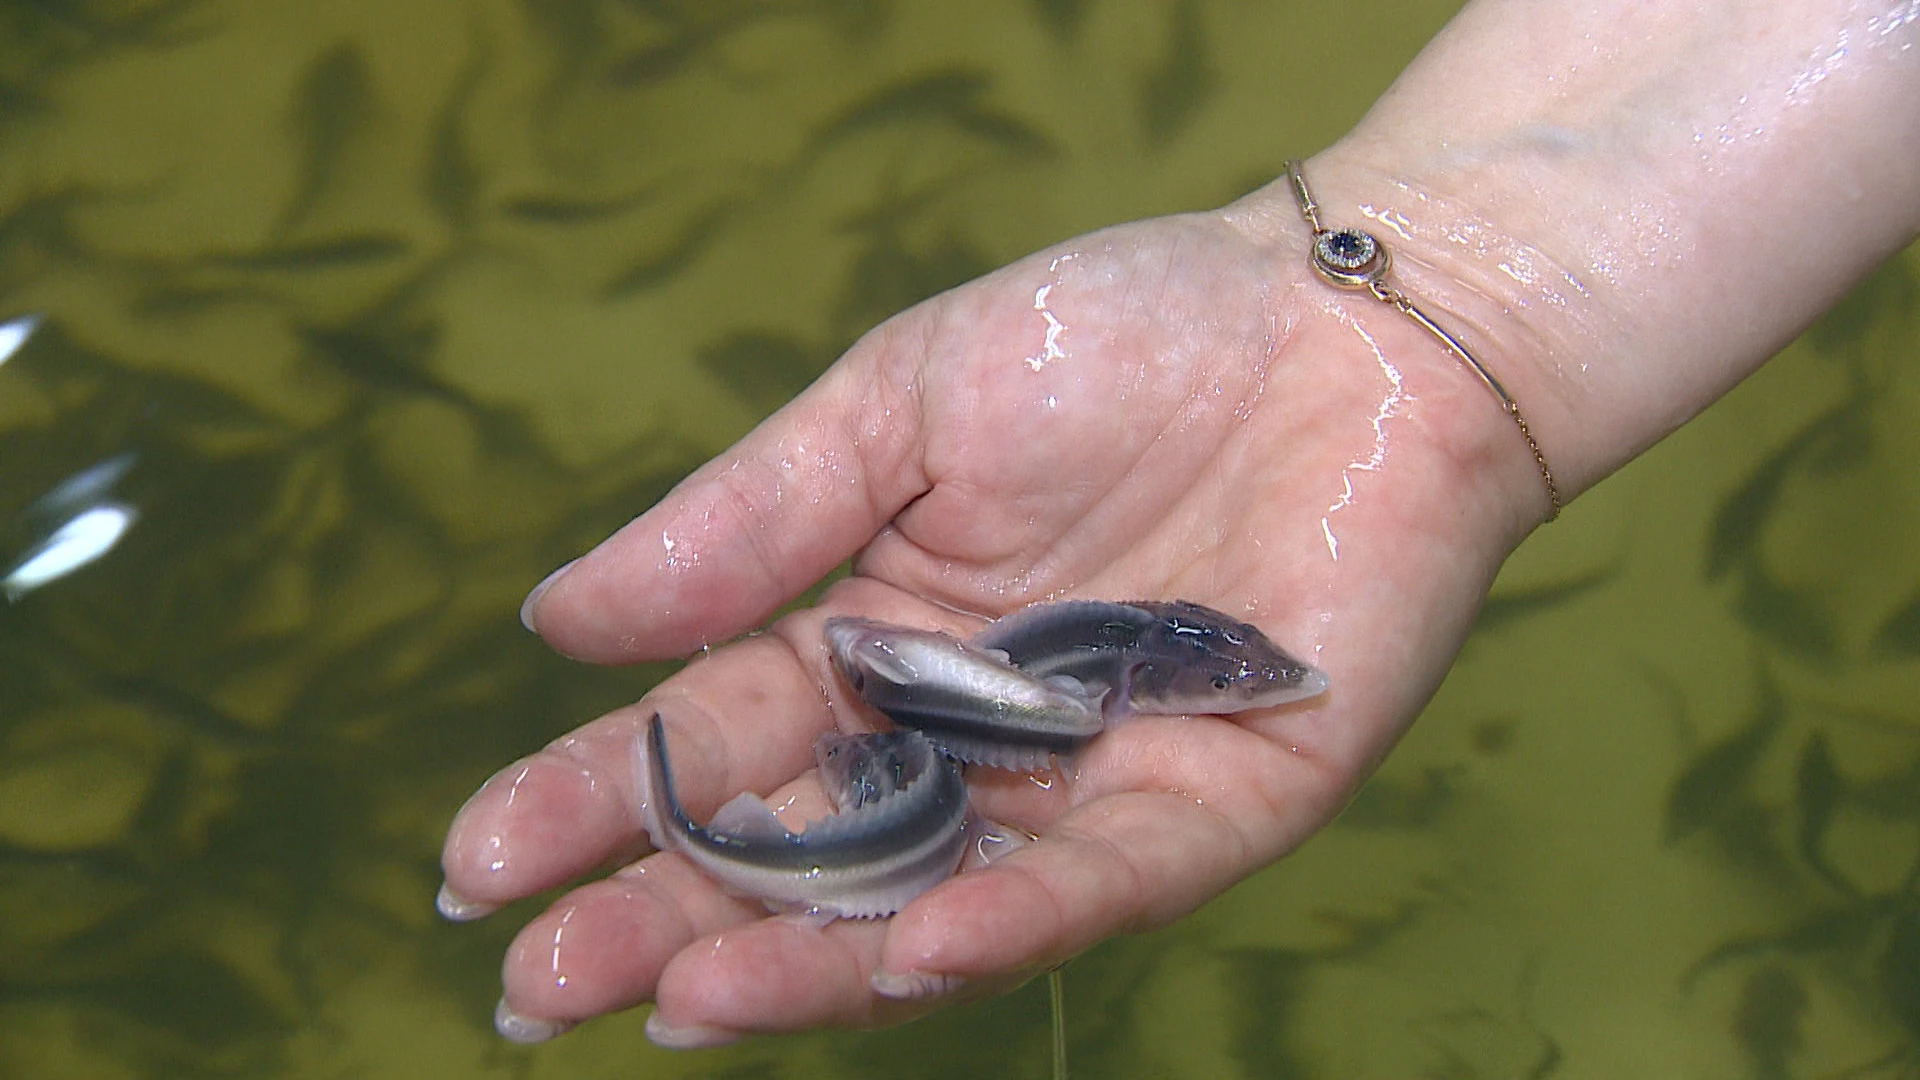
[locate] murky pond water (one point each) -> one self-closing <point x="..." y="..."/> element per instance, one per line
<point x="397" y="306"/>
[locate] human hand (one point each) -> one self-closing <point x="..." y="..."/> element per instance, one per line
<point x="1170" y="409"/>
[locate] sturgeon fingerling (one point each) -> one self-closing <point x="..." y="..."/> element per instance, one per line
<point x="1150" y="656"/>
<point x="900" y="829"/>
<point x="969" y="701"/>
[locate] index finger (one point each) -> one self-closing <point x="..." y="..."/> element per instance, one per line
<point x="754" y="527"/>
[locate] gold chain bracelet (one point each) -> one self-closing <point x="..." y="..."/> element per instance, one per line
<point x="1355" y="260"/>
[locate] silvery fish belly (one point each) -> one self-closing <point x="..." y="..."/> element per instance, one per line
<point x="968" y="701"/>
<point x="900" y="829"/>
<point x="1152" y="656"/>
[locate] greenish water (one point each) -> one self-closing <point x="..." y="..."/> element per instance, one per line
<point x="403" y="304"/>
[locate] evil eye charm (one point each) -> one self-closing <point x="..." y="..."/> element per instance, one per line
<point x="1349" y="258"/>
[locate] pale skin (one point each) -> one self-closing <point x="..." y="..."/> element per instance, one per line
<point x="1623" y="208"/>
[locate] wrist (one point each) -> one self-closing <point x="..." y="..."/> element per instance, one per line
<point x="1468" y="327"/>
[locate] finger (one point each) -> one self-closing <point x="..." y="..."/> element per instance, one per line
<point x="1156" y="837"/>
<point x="601" y="947"/>
<point x="986" y="930"/>
<point x="743" y="719"/>
<point x="752" y="528"/>
<point x="781" y="975"/>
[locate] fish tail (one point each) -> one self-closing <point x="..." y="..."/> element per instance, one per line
<point x="660" y="811"/>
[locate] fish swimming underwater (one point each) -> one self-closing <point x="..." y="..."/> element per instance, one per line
<point x="1150" y="656"/>
<point x="970" y="702"/>
<point x="900" y="830"/>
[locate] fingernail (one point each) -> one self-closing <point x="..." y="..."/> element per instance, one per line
<point x="691" y="1037"/>
<point x="913" y="985"/>
<point x="456" y="908"/>
<point x="525" y="1029"/>
<point x="533" y="598"/>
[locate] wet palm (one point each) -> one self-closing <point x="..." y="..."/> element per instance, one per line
<point x="1165" y="410"/>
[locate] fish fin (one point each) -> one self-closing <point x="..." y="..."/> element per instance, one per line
<point x="978" y="751"/>
<point x="1001" y="655"/>
<point x="747" y="816"/>
<point x="1068" y="684"/>
<point x="989" y="841"/>
<point x="811" y="917"/>
<point x="889" y="667"/>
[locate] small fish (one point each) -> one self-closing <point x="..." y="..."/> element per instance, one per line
<point x="1152" y="657"/>
<point x="969" y="701"/>
<point x="81" y="491"/>
<point x="14" y="333"/>
<point x="80" y="541"/>
<point x="900" y="830"/>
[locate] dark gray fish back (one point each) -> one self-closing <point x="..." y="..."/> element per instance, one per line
<point x="1094" y="641"/>
<point x="1153" y="656"/>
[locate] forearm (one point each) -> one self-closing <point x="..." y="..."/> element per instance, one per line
<point x="1625" y="208"/>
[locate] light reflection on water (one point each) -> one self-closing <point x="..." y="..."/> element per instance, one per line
<point x="401" y="307"/>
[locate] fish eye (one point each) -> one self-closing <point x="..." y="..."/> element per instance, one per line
<point x="1220" y="682"/>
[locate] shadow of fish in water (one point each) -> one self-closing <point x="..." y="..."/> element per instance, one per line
<point x="955" y="98"/>
<point x="1186" y="79"/>
<point x="1511" y="605"/>
<point x="333" y="104"/>
<point x="1715" y="786"/>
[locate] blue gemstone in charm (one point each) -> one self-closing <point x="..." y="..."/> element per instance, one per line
<point x="1348" y="257"/>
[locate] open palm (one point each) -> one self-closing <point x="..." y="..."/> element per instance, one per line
<point x="1171" y="409"/>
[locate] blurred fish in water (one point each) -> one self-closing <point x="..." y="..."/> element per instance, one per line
<point x="349" y="252"/>
<point x="75" y="522"/>
<point x="1716" y="785"/>
<point x="1508" y="605"/>
<point x="452" y="181"/>
<point x="954" y="97"/>
<point x="567" y="210"/>
<point x="332" y="107"/>
<point x="82" y="540"/>
<point x="14" y="333"/>
<point x="1186" y="79"/>
<point x="675" y="254"/>
<point x="78" y="492"/>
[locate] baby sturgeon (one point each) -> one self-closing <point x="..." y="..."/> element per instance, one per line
<point x="900" y="830"/>
<point x="1151" y="656"/>
<point x="970" y="702"/>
